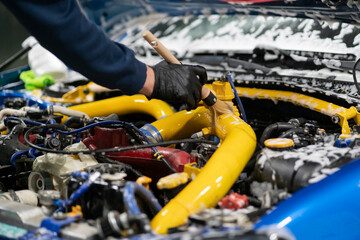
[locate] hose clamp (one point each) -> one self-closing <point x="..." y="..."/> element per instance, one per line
<point x="152" y="133"/>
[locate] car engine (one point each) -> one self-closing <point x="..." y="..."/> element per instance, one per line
<point x="82" y="164"/>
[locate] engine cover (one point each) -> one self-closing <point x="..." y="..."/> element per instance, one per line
<point x="141" y="159"/>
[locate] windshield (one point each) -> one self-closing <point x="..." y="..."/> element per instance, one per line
<point x="304" y="53"/>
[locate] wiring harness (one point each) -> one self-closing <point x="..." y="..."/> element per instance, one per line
<point x="61" y="129"/>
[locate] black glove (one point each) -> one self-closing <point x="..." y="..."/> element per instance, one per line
<point x="179" y="83"/>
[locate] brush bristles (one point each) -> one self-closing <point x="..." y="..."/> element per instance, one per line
<point x="220" y="108"/>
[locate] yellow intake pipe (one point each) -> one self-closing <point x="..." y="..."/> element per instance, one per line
<point x="125" y="105"/>
<point x="339" y="114"/>
<point x="182" y="124"/>
<point x="220" y="172"/>
<point x="81" y="94"/>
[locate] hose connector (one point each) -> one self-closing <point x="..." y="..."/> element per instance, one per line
<point x="152" y="133"/>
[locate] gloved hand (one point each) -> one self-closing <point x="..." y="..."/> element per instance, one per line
<point x="179" y="83"/>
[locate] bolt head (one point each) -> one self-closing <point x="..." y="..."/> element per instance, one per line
<point x="59" y="216"/>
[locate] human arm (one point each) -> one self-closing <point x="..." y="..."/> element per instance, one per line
<point x="60" y="27"/>
<point x="148" y="87"/>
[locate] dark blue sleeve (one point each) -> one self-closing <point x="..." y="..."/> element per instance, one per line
<point x="60" y="27"/>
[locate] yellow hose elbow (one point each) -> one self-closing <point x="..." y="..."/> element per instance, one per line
<point x="183" y="124"/>
<point x="218" y="175"/>
<point x="125" y="105"/>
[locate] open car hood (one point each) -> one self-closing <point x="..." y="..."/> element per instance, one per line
<point x="105" y="12"/>
<point x="302" y="44"/>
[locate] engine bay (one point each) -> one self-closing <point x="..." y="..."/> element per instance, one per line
<point x="86" y="164"/>
<point x="113" y="177"/>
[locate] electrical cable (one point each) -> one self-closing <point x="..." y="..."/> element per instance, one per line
<point x="109" y="150"/>
<point x="121" y="123"/>
<point x="132" y="127"/>
<point x="49" y="121"/>
<point x="27" y="121"/>
<point x="33" y="154"/>
<point x="354" y="76"/>
<point x="128" y="126"/>
<point x="53" y="122"/>
<point x="240" y="106"/>
<point x="61" y="129"/>
<point x="16" y="155"/>
<point x="88" y="127"/>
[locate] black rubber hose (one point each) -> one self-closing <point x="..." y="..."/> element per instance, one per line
<point x="71" y="120"/>
<point x="254" y="202"/>
<point x="280" y="126"/>
<point x="257" y="213"/>
<point x="290" y="132"/>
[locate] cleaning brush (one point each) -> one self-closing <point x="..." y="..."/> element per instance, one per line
<point x="217" y="107"/>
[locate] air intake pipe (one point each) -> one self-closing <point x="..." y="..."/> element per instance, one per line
<point x="125" y="105"/>
<point x="238" y="142"/>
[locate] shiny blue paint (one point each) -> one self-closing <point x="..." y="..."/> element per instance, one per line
<point x="328" y="209"/>
<point x="31" y="100"/>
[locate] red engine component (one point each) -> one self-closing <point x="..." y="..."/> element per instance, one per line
<point x="234" y="201"/>
<point x="106" y="138"/>
<point x="141" y="159"/>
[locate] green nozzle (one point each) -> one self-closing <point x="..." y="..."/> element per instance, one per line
<point x="32" y="82"/>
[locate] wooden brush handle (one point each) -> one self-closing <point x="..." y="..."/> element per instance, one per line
<point x="161" y="49"/>
<point x="167" y="55"/>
